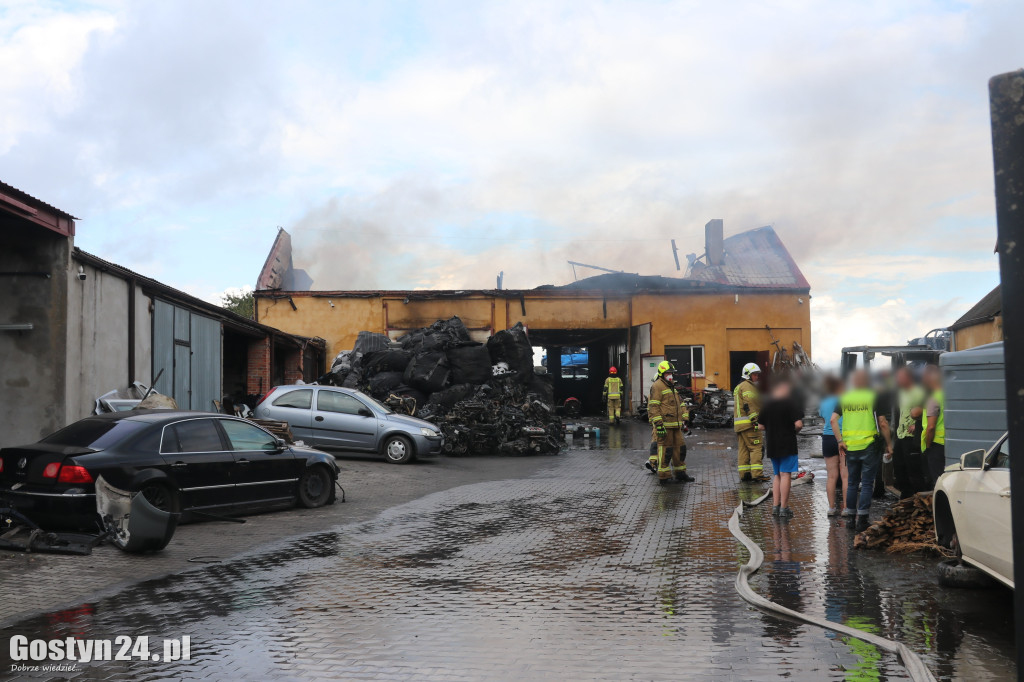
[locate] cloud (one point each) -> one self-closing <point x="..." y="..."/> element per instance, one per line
<point x="412" y="145"/>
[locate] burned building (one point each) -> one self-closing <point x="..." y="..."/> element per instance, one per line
<point x="741" y="300"/>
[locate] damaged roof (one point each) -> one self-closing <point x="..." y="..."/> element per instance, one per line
<point x="985" y="310"/>
<point x="753" y="259"/>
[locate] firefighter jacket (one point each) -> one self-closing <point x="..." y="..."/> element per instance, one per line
<point x="613" y="388"/>
<point x="666" y="406"/>
<point x="748" y="406"/>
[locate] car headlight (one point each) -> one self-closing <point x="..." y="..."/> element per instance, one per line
<point x="429" y="433"/>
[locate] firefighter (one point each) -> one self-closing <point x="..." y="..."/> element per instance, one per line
<point x="613" y="395"/>
<point x="748" y="405"/>
<point x="668" y="414"/>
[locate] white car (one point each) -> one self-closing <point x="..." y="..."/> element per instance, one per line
<point x="972" y="516"/>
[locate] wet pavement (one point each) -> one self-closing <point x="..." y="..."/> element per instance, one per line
<point x="582" y="568"/>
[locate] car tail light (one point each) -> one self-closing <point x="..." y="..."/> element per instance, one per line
<point x="74" y="474"/>
<point x="51" y="470"/>
<point x="264" y="397"/>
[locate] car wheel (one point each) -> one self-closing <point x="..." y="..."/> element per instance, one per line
<point x="161" y="496"/>
<point x="955" y="573"/>
<point x="398" y="449"/>
<point x="315" y="486"/>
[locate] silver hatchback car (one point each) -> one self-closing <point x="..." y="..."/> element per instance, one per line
<point x="342" y="419"/>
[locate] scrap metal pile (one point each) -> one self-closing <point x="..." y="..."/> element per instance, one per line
<point x="485" y="398"/>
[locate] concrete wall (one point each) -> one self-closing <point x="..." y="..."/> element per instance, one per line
<point x="719" y="322"/>
<point x="97" y="356"/>
<point x="32" y="362"/>
<point x="980" y="334"/>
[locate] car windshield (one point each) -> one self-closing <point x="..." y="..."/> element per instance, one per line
<point x="95" y="434"/>
<point x="381" y="406"/>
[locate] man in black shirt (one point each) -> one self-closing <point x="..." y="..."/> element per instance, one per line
<point x="781" y="419"/>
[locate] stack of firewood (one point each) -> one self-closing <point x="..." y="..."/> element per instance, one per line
<point x="908" y="526"/>
<point x="278" y="428"/>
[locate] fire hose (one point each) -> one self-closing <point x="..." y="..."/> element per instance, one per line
<point x="910" y="660"/>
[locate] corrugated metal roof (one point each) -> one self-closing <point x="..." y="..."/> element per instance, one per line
<point x="178" y="296"/>
<point x="982" y="311"/>
<point x="25" y="196"/>
<point x="753" y="259"/>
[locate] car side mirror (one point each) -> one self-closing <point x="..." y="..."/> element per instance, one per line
<point x="363" y="412"/>
<point x="975" y="459"/>
<point x="281" y="444"/>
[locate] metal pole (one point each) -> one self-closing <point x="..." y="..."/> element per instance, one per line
<point x="1006" y="97"/>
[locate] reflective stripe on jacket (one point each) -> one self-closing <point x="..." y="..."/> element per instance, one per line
<point x="747" y="401"/>
<point x="860" y="426"/>
<point x="613" y="387"/>
<point x="666" y="406"/>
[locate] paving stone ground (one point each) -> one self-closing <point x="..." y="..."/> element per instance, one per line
<point x="580" y="568"/>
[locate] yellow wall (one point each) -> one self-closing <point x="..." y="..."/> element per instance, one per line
<point x="723" y="323"/>
<point x="980" y="334"/>
<point x="719" y="322"/>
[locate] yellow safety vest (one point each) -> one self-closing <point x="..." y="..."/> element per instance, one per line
<point x="940" y="423"/>
<point x="613" y="387"/>
<point x="859" y="425"/>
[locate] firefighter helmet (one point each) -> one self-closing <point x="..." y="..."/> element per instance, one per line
<point x="749" y="369"/>
<point x="665" y="366"/>
<point x="612" y="370"/>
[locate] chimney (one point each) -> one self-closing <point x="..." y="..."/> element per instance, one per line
<point x="713" y="237"/>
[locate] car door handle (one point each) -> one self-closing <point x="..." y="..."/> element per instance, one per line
<point x="179" y="465"/>
<point x="242" y="461"/>
<point x="1005" y="493"/>
<point x="318" y="418"/>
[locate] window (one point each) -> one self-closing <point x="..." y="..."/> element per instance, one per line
<point x="96" y="434"/>
<point x="1001" y="458"/>
<point x="688" y="360"/>
<point x="194" y="435"/>
<point x="301" y="399"/>
<point x="248" y="437"/>
<point x="333" y="401"/>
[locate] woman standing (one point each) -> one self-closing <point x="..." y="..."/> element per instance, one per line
<point x="835" y="461"/>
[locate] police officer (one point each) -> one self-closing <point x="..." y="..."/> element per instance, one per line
<point x="668" y="414"/>
<point x="864" y="431"/>
<point x="613" y="395"/>
<point x="747" y="401"/>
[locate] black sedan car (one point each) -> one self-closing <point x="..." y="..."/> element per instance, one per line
<point x="196" y="463"/>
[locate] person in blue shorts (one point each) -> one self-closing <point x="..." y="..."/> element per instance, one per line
<point x="781" y="419"/>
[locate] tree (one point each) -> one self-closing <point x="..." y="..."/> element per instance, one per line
<point x="240" y="302"/>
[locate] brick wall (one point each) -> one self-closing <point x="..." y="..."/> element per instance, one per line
<point x="258" y="371"/>
<point x="293" y="366"/>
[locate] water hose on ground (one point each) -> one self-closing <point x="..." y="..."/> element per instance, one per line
<point x="914" y="665"/>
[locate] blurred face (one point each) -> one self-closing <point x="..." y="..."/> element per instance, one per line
<point x="668" y="376"/>
<point x="860" y="379"/>
<point x="904" y="378"/>
<point x="781" y="390"/>
<point x="932" y="377"/>
<point x="755" y="377"/>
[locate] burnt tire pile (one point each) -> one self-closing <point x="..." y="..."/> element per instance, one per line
<point x="485" y="398"/>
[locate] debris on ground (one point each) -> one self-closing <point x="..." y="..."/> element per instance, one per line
<point x="486" y="398"/>
<point x="908" y="526"/>
<point x="711" y="408"/>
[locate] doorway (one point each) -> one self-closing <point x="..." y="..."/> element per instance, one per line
<point x="738" y="358"/>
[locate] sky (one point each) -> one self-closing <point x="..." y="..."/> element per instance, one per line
<point x="434" y="144"/>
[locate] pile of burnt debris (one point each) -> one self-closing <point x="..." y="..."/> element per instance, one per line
<point x="486" y="398"/>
